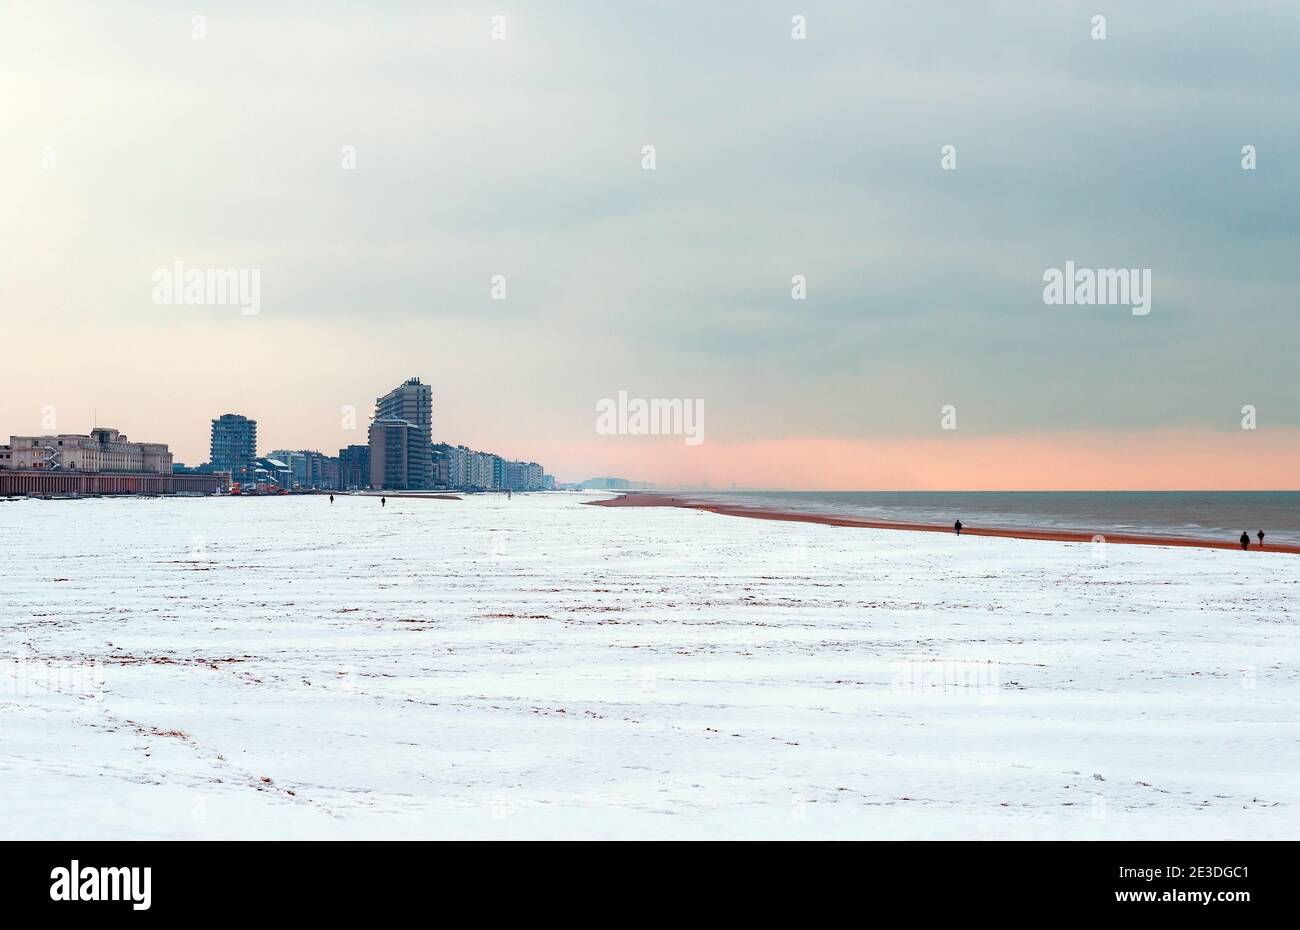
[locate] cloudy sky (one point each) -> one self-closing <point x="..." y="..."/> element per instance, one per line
<point x="131" y="143"/>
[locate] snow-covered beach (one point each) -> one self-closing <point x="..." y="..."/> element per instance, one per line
<point x="226" y="668"/>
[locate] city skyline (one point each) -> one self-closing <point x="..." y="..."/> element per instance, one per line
<point x="399" y="455"/>
<point x="415" y="214"/>
<point x="1137" y="461"/>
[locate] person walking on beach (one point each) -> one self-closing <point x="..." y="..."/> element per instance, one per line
<point x="957" y="526"/>
<point x="1245" y="540"/>
<point x="1260" y="534"/>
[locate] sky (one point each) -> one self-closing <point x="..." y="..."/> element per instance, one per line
<point x="378" y="165"/>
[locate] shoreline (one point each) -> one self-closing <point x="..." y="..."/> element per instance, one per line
<point x="645" y="499"/>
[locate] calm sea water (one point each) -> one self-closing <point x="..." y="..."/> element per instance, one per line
<point x="1202" y="514"/>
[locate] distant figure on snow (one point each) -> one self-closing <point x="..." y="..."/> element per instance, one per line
<point x="331" y="498"/>
<point x="1260" y="534"/>
<point x="957" y="526"/>
<point x="1245" y="540"/>
<point x="383" y="502"/>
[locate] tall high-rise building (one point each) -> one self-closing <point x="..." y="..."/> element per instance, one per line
<point x="412" y="402"/>
<point x="234" y="446"/>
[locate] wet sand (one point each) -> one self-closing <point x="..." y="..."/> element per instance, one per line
<point x="1131" y="539"/>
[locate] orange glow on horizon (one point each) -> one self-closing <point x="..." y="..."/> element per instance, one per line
<point x="1154" y="460"/>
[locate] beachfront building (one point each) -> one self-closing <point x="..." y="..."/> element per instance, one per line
<point x="301" y="467"/>
<point x="328" y="472"/>
<point x="271" y="470"/>
<point x="354" y="468"/>
<point x="396" y="448"/>
<point x="411" y="402"/>
<point x="467" y="469"/>
<point x="322" y="470"/>
<point x="523" y="476"/>
<point x="457" y="465"/>
<point x="234" y="446"/>
<point x="101" y="462"/>
<point x="44" y="483"/>
<point x="102" y="450"/>
<point x="440" y="469"/>
<point x="481" y="471"/>
<point x="310" y="468"/>
<point x="296" y="465"/>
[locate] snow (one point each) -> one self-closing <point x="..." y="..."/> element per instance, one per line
<point x="240" y="668"/>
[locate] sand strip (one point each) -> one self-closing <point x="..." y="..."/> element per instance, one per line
<point x="663" y="500"/>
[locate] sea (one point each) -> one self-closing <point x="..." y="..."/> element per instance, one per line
<point x="1196" y="514"/>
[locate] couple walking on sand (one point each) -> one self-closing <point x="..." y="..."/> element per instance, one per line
<point x="1245" y="537"/>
